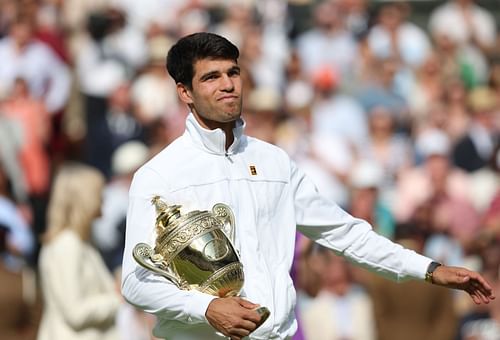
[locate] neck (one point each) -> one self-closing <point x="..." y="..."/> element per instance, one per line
<point x="229" y="138"/>
<point x="339" y="288"/>
<point x="227" y="127"/>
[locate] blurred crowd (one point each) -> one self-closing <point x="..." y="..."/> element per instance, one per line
<point x="395" y="119"/>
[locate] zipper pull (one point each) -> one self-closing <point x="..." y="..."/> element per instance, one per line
<point x="228" y="157"/>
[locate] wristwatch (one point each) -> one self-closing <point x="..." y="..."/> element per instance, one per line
<point x="430" y="271"/>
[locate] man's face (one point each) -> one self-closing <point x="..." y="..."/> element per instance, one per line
<point x="22" y="33"/>
<point x="215" y="97"/>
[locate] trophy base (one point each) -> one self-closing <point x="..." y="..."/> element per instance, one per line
<point x="264" y="314"/>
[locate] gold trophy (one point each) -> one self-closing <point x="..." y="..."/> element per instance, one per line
<point x="195" y="251"/>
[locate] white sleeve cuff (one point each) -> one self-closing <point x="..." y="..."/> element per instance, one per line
<point x="416" y="265"/>
<point x="197" y="307"/>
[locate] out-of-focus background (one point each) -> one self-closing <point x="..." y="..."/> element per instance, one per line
<point x="392" y="107"/>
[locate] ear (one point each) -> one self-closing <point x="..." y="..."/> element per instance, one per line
<point x="184" y="94"/>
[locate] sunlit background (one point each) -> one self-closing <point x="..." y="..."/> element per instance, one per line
<point x="392" y="107"/>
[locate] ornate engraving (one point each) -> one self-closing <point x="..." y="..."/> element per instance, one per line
<point x="195" y="250"/>
<point x="222" y="282"/>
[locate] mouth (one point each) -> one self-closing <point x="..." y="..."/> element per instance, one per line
<point x="227" y="98"/>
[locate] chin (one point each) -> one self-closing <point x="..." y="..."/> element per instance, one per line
<point x="232" y="116"/>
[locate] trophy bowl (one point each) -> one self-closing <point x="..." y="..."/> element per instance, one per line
<point x="194" y="250"/>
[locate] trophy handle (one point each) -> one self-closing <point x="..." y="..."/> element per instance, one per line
<point x="224" y="213"/>
<point x="142" y="253"/>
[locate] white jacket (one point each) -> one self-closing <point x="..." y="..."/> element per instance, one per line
<point x="196" y="172"/>
<point x="80" y="297"/>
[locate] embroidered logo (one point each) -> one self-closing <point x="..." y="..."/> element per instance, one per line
<point x="253" y="170"/>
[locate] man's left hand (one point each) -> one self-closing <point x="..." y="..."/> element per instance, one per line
<point x="460" y="278"/>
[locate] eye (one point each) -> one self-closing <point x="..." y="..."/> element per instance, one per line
<point x="210" y="76"/>
<point x="234" y="72"/>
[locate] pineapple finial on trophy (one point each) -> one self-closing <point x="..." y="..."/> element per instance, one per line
<point x="165" y="214"/>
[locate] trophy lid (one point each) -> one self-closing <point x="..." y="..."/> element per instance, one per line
<point x="166" y="215"/>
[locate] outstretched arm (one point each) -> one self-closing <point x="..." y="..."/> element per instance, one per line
<point x="469" y="281"/>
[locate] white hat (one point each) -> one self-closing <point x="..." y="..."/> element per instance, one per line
<point x="366" y="174"/>
<point x="264" y="99"/>
<point x="299" y="94"/>
<point x="433" y="142"/>
<point x="128" y="157"/>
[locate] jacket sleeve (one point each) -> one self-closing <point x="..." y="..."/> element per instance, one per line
<point x="141" y="287"/>
<point x="326" y="223"/>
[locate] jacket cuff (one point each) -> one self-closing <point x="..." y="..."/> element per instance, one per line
<point x="417" y="265"/>
<point x="197" y="307"/>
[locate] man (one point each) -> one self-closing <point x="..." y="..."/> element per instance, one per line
<point x="48" y="78"/>
<point x="270" y="197"/>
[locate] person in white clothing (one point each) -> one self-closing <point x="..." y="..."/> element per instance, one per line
<point x="464" y="22"/>
<point x="22" y="56"/>
<point x="214" y="161"/>
<point x="81" y="300"/>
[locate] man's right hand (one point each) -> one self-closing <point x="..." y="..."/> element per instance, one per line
<point x="233" y="316"/>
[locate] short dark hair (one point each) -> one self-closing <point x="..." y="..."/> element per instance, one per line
<point x="191" y="48"/>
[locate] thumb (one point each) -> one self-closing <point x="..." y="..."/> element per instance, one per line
<point x="247" y="304"/>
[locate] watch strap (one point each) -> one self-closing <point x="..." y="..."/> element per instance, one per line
<point x="430" y="271"/>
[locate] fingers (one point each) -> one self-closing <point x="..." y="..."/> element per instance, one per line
<point x="478" y="292"/>
<point x="252" y="315"/>
<point x="246" y="303"/>
<point x="471" y="282"/>
<point x="482" y="286"/>
<point x="228" y="316"/>
<point x="238" y="333"/>
<point x="242" y="329"/>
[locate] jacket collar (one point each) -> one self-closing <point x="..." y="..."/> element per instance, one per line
<point x="213" y="141"/>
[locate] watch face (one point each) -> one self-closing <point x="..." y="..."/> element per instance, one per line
<point x="430" y="270"/>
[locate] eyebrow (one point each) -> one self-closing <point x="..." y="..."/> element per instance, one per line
<point x="235" y="68"/>
<point x="207" y="75"/>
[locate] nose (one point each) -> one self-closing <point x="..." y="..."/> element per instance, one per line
<point x="227" y="83"/>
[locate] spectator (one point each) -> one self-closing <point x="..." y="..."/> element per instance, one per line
<point x="436" y="180"/>
<point x="32" y="117"/>
<point x="395" y="36"/>
<point x="108" y="231"/>
<point x="474" y="150"/>
<point x="19" y="302"/>
<point x="153" y="94"/>
<point x="47" y="76"/>
<point x="464" y="22"/>
<point x="342" y="309"/>
<point x="72" y="272"/>
<point x="11" y="140"/>
<point x="411" y="310"/>
<point x="426" y="89"/>
<point x="335" y="113"/>
<point x="116" y="126"/>
<point x="366" y="181"/>
<point x="382" y="89"/>
<point x="390" y="150"/>
<point x="328" y="43"/>
<point x="19" y="240"/>
<point x="482" y="323"/>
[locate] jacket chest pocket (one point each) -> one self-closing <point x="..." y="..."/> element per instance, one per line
<point x="266" y="196"/>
